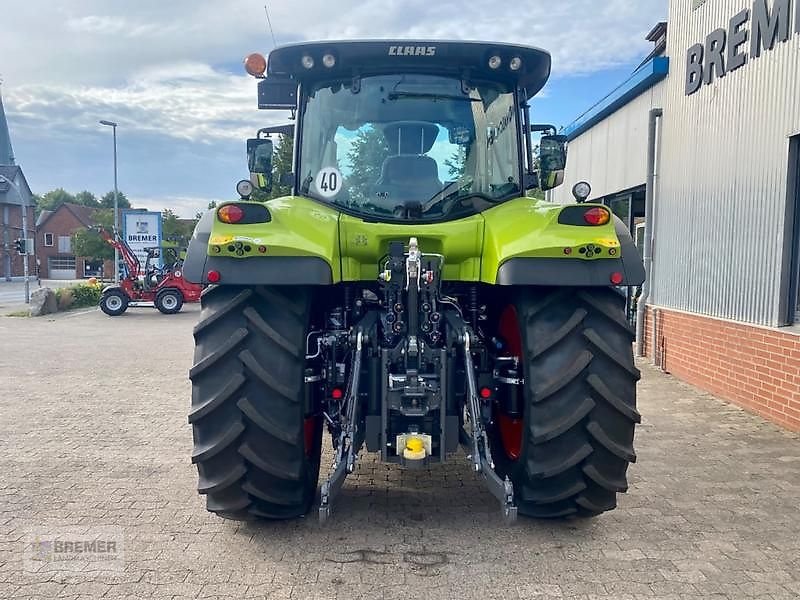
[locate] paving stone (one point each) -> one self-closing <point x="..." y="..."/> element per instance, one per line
<point x="90" y="442"/>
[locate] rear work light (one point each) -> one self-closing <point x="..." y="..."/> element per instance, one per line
<point x="596" y="216"/>
<point x="243" y="213"/>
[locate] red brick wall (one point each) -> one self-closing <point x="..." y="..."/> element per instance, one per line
<point x="14" y="232"/>
<point x="754" y="367"/>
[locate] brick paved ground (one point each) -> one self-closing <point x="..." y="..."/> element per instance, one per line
<point x="712" y="512"/>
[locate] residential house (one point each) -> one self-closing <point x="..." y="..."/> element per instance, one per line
<point x="54" y="252"/>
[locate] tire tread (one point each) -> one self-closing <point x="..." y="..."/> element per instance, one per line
<point x="248" y="407"/>
<point x="580" y="402"/>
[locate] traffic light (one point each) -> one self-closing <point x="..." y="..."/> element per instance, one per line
<point x="19" y="246"/>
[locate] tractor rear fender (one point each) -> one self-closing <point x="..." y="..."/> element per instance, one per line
<point x="298" y="245"/>
<point x="525" y="244"/>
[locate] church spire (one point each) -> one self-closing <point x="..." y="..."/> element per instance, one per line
<point x="6" y="152"/>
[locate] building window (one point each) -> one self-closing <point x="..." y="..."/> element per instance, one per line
<point x="64" y="244"/>
<point x="48" y="239"/>
<point x="639" y="239"/>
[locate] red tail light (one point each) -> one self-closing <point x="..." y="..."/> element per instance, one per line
<point x="616" y="278"/>
<point x="486" y="393"/>
<point x="596" y="216"/>
<point x="337" y="393"/>
<point x="213" y="276"/>
<point x="230" y="213"/>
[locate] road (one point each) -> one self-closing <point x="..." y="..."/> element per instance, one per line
<point x="12" y="293"/>
<point x="94" y="438"/>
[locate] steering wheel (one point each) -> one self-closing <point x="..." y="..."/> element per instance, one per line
<point x="450" y="195"/>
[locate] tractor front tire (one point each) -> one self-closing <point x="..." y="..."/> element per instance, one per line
<point x="169" y="301"/>
<point x="256" y="448"/>
<point x="114" y="302"/>
<point x="579" y="401"/>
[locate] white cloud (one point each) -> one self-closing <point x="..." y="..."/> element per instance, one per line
<point x="183" y="100"/>
<point x="84" y="41"/>
<point x="184" y="206"/>
<point x="107" y="25"/>
<point x="169" y="73"/>
<point x="151" y="67"/>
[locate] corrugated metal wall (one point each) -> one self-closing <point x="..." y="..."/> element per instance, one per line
<point x="612" y="155"/>
<point x="721" y="195"/>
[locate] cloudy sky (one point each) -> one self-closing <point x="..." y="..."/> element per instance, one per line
<point x="170" y="74"/>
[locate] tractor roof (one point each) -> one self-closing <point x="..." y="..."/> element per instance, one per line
<point x="436" y="57"/>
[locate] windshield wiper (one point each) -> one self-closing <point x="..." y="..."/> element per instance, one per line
<point x="397" y="95"/>
<point x="458" y="193"/>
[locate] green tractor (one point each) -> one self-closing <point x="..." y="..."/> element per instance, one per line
<point x="408" y="297"/>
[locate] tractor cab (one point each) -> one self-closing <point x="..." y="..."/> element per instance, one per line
<point x="169" y="255"/>
<point x="412" y="132"/>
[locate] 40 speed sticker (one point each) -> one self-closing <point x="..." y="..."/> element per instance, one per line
<point x="328" y="182"/>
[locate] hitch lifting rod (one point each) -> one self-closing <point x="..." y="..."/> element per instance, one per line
<point x="482" y="461"/>
<point x="474" y="407"/>
<point x="345" y="452"/>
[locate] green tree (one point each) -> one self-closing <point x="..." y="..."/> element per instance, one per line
<point x="88" y="243"/>
<point x="199" y="214"/>
<point x="282" y="164"/>
<point x="366" y="156"/>
<point x="107" y="201"/>
<point x="53" y="199"/>
<point x="175" y="228"/>
<point x="87" y="199"/>
<point x="457" y="163"/>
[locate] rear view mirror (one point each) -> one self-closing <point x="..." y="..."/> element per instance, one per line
<point x="462" y="136"/>
<point x="543" y="128"/>
<point x="277" y="93"/>
<point x="259" y="161"/>
<point x="552" y="160"/>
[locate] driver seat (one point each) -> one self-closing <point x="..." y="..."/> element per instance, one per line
<point x="408" y="178"/>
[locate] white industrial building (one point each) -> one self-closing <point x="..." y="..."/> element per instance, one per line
<point x="706" y="133"/>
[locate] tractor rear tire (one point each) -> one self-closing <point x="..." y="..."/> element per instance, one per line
<point x="256" y="449"/>
<point x="579" y="401"/>
<point x="169" y="301"/>
<point x="114" y="302"/>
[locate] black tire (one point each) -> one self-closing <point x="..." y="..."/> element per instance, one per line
<point x="169" y="301"/>
<point x="114" y="302"/>
<point x="579" y="402"/>
<point x="256" y="448"/>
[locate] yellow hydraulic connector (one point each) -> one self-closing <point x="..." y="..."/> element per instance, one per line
<point x="415" y="449"/>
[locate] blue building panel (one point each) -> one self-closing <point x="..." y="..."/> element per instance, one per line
<point x="642" y="79"/>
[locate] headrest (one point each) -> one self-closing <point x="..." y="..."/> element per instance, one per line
<point x="410" y="137"/>
<point x="405" y="167"/>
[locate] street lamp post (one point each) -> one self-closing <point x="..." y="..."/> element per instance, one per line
<point x="24" y="200"/>
<point x="116" y="195"/>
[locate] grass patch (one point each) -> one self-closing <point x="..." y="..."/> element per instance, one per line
<point x="19" y="313"/>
